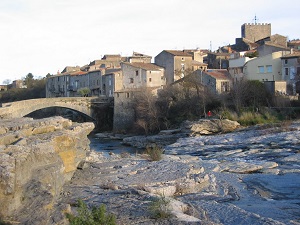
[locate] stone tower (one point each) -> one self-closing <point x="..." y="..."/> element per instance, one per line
<point x="256" y="31"/>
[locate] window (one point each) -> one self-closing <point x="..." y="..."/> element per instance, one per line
<point x="131" y="80"/>
<point x="286" y="71"/>
<point x="261" y="69"/>
<point x="109" y="82"/>
<point x="182" y="67"/>
<point x="127" y="95"/>
<point x="182" y="59"/>
<point x="136" y="72"/>
<point x="269" y="68"/>
<point x="285" y="61"/>
<point x="150" y="79"/>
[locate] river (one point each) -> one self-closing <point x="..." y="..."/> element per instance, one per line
<point x="107" y="146"/>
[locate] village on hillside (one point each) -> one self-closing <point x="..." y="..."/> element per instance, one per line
<point x="257" y="55"/>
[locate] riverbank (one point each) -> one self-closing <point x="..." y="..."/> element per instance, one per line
<point x="248" y="176"/>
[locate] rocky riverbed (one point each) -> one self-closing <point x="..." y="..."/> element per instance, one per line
<point x="247" y="176"/>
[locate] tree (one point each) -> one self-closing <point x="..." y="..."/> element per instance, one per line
<point x="29" y="80"/>
<point x="84" y="92"/>
<point x="250" y="93"/>
<point x="147" y="114"/>
<point x="7" y="81"/>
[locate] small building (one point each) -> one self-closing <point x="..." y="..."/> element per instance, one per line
<point x="276" y="87"/>
<point x="236" y="64"/>
<point x="112" y="80"/>
<point x="176" y="64"/>
<point x="290" y="64"/>
<point x="3" y="87"/>
<point x="217" y="81"/>
<point x="218" y="60"/>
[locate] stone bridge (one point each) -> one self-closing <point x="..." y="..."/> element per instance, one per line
<point x="85" y="105"/>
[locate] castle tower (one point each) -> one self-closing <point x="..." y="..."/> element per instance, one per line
<point x="256" y="31"/>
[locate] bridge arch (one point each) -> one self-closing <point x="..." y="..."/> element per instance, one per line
<point x="22" y="108"/>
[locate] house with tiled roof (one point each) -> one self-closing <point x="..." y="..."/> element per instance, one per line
<point x="138" y="78"/>
<point x="139" y="75"/>
<point x="290" y="64"/>
<point x="175" y="63"/>
<point x="216" y="80"/>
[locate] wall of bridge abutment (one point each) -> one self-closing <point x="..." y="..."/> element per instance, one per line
<point x="22" y="108"/>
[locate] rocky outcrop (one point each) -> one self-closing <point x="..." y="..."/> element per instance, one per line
<point x="188" y="128"/>
<point x="36" y="158"/>
<point x="209" y="126"/>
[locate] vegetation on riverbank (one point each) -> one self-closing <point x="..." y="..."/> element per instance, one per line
<point x="94" y="216"/>
<point x="249" y="103"/>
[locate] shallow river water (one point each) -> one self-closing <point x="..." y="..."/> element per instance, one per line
<point x="108" y="146"/>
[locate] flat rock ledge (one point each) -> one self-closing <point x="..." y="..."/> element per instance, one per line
<point x="36" y="158"/>
<point x="187" y="129"/>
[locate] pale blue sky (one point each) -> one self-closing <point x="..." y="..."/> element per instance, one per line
<point x="44" y="36"/>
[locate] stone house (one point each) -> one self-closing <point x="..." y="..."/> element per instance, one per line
<point x="176" y="64"/>
<point x="290" y="64"/>
<point x="294" y="44"/>
<point x="3" y="87"/>
<point x="112" y="80"/>
<point x="58" y="85"/>
<point x="95" y="81"/>
<point x="137" y="77"/>
<point x="138" y="57"/>
<point x="218" y="60"/>
<point x="217" y="81"/>
<point x="265" y="68"/>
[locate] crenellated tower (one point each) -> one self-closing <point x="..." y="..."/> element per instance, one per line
<point x="256" y="31"/>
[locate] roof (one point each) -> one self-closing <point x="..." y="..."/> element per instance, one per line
<point x="219" y="53"/>
<point x="292" y="55"/>
<point x="218" y="74"/>
<point x="178" y="53"/>
<point x="276" y="45"/>
<point x="145" y="66"/>
<point x="78" y="73"/>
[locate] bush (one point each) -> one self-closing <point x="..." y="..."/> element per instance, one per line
<point x="159" y="208"/>
<point x="96" y="216"/>
<point x="155" y="152"/>
<point x="4" y="223"/>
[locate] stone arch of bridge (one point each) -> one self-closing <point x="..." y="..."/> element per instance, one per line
<point x="22" y="108"/>
<point x="63" y="107"/>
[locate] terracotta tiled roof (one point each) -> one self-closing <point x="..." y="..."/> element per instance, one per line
<point x="145" y="66"/>
<point x="218" y="74"/>
<point x="78" y="73"/>
<point x="178" y="53"/>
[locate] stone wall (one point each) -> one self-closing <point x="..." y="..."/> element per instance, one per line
<point x="36" y="158"/>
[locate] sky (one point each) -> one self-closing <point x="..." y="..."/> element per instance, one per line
<point x="45" y="36"/>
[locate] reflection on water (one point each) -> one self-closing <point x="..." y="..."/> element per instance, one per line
<point x="108" y="146"/>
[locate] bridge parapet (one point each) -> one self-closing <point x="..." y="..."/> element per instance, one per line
<point x="22" y="108"/>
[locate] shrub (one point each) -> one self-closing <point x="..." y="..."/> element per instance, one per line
<point x="155" y="152"/>
<point x="96" y="216"/>
<point x="4" y="223"/>
<point x="159" y="208"/>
